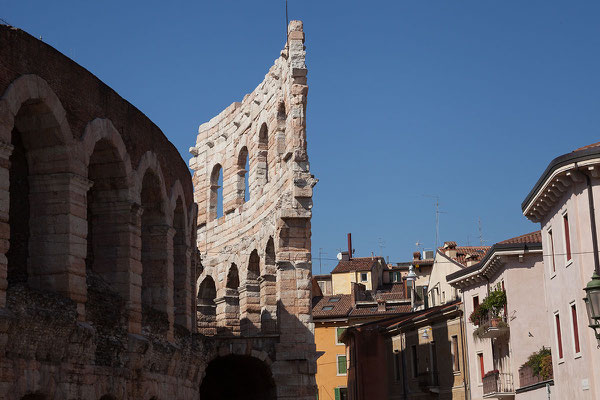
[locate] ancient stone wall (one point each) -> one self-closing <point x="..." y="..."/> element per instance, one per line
<point x="97" y="240"/>
<point x="256" y="255"/>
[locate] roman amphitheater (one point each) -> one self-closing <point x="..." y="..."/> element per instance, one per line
<point x="122" y="276"/>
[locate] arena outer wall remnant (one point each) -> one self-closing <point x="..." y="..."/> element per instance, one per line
<point x="99" y="264"/>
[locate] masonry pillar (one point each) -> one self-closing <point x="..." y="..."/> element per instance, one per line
<point x="228" y="312"/>
<point x="5" y="152"/>
<point x="250" y="307"/>
<point x="58" y="231"/>
<point x="183" y="285"/>
<point x="116" y="252"/>
<point x="268" y="303"/>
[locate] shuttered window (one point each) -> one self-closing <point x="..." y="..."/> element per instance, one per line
<point x="341" y="365"/>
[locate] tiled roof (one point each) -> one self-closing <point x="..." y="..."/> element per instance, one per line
<point x="340" y="308"/>
<point x="427" y="261"/>
<point x="533" y="237"/>
<point x="589" y="146"/>
<point x="463" y="251"/>
<point x="372" y="310"/>
<point x="356" y="264"/>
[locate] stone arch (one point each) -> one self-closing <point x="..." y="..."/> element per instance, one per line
<point x="253" y="379"/>
<point x="45" y="193"/>
<point x="156" y="255"/>
<point x="250" y="296"/>
<point x="109" y="259"/>
<point x="215" y="203"/>
<point x="268" y="289"/>
<point x="263" y="153"/>
<point x="149" y="161"/>
<point x="228" y="305"/>
<point x="206" y="306"/>
<point x="243" y="167"/>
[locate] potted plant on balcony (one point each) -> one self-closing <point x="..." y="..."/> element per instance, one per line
<point x="540" y="363"/>
<point x="495" y="303"/>
<point x="490" y="373"/>
<point x="478" y="314"/>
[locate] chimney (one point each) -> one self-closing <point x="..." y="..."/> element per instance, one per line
<point x="416" y="255"/>
<point x="345" y="256"/>
<point x="372" y="256"/>
<point x="380" y="305"/>
<point x="357" y="292"/>
<point x="472" y="259"/>
<point x="450" y="249"/>
<point x="350" y="245"/>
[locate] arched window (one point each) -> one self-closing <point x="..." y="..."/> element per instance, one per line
<point x="233" y="279"/>
<point x="253" y="266"/>
<point x="206" y="308"/>
<point x="263" y="151"/>
<point x="216" y="193"/>
<point x="268" y="299"/>
<point x="243" y="187"/>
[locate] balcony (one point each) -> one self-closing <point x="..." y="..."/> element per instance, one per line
<point x="497" y="385"/>
<point x="429" y="381"/>
<point x="492" y="327"/>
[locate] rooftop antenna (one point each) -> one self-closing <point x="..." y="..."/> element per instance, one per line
<point x="480" y="232"/>
<point x="287" y="23"/>
<point x="437" y="217"/>
<point x="320" y="253"/>
<point x="381" y="244"/>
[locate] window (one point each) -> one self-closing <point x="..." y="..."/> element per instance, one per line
<point x="341" y="364"/>
<point x="395" y="276"/>
<point x="481" y="368"/>
<point x="567" y="237"/>
<point x="443" y="297"/>
<point x="322" y="286"/>
<point x="397" y="366"/>
<point x="334" y="299"/>
<point x="475" y="302"/>
<point x="454" y="350"/>
<point x="575" y="329"/>
<point x="558" y="336"/>
<point x="341" y="393"/>
<point x="551" y="245"/>
<point x="338" y="334"/>
<point x="415" y="361"/>
<point x="327" y="308"/>
<point x="363" y="277"/>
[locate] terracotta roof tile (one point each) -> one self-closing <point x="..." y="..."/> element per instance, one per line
<point x="372" y="310"/>
<point x="533" y="237"/>
<point x="589" y="146"/>
<point x="356" y="264"/>
<point x="463" y="251"/>
<point x="339" y="308"/>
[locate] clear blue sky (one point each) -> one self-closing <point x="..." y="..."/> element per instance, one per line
<point x="466" y="100"/>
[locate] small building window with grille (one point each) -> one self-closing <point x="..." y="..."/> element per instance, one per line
<point x="363" y="277"/>
<point x="455" y="357"/>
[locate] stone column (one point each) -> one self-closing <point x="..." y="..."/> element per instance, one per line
<point x="58" y="231"/>
<point x="5" y="152"/>
<point x="250" y="307"/>
<point x="268" y="303"/>
<point x="228" y="312"/>
<point x="183" y="285"/>
<point x="157" y="272"/>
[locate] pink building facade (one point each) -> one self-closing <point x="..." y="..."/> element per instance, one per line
<point x="563" y="202"/>
<point x="496" y="354"/>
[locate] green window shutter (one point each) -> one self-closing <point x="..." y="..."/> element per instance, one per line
<point x="341" y="364"/>
<point x="338" y="332"/>
<point x="337" y="393"/>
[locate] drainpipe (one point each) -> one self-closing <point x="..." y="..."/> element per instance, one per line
<point x="466" y="367"/>
<point x="593" y="223"/>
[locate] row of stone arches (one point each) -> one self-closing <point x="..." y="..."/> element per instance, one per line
<point x="76" y="210"/>
<point x="247" y="306"/>
<point x="216" y="201"/>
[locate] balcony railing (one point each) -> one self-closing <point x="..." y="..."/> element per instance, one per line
<point x="492" y="327"/>
<point x="527" y="378"/>
<point x="496" y="384"/>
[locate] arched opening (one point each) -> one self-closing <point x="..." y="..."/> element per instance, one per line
<point x="268" y="298"/>
<point x="39" y="202"/>
<point x="108" y="211"/>
<point x="281" y="113"/>
<point x="263" y="154"/>
<point x="215" y="210"/>
<point x="157" y="296"/>
<point x="250" y="296"/>
<point x="228" y="306"/>
<point x="243" y="163"/>
<point x="236" y="377"/>
<point x="181" y="270"/>
<point x="206" y="307"/>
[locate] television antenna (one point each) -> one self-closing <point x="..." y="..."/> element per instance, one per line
<point x="437" y="217"/>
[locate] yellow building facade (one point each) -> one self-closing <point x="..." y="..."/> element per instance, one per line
<point x="332" y="364"/>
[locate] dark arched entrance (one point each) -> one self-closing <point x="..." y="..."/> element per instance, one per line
<point x="236" y="377"/>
